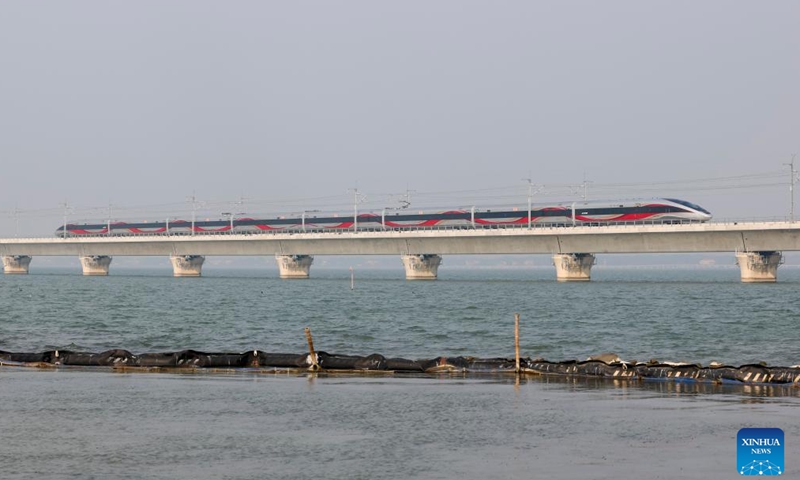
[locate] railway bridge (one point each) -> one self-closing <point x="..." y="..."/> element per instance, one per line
<point x="756" y="245"/>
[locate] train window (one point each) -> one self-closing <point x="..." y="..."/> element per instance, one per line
<point x="688" y="204"/>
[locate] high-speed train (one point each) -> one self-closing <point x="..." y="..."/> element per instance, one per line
<point x="656" y="210"/>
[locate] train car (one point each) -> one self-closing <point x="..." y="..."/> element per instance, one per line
<point x="657" y="210"/>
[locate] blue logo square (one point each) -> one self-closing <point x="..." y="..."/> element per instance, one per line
<point x="759" y="451"/>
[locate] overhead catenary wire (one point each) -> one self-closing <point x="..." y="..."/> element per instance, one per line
<point x="485" y="197"/>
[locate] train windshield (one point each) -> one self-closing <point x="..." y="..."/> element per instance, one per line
<point x="689" y="204"/>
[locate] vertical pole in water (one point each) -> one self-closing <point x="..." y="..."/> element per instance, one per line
<point x="352" y="279"/>
<point x="314" y="365"/>
<point x="516" y="340"/>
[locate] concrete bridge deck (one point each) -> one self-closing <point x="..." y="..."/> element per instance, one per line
<point x="565" y="243"/>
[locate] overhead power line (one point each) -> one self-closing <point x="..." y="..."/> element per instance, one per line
<point x="517" y="194"/>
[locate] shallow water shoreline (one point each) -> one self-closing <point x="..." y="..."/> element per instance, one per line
<point x="75" y="424"/>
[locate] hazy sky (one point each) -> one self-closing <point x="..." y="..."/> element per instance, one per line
<point x="140" y="104"/>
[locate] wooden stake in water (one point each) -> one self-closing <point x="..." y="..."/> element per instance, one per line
<point x="516" y="340"/>
<point x="352" y="279"/>
<point x="313" y="356"/>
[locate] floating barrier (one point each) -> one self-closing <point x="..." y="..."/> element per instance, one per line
<point x="606" y="365"/>
<point x="256" y="359"/>
<point x="654" y="371"/>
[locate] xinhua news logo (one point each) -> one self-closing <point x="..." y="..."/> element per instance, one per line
<point x="759" y="451"/>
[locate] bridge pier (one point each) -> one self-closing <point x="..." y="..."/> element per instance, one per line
<point x="294" y="266"/>
<point x="95" y="264"/>
<point x="573" y="267"/>
<point x="16" y="264"/>
<point x="187" y="265"/>
<point x="759" y="267"/>
<point x="422" y="267"/>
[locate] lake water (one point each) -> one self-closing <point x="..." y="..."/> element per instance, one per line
<point x="79" y="423"/>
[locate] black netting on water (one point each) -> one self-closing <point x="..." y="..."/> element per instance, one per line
<point x="651" y="371"/>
